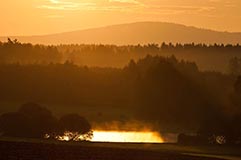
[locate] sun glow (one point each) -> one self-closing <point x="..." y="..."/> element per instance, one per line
<point x="124" y="136"/>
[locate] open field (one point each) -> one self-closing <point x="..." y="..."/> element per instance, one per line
<point x="46" y="150"/>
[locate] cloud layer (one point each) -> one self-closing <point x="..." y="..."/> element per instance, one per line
<point x="153" y="6"/>
<point x="50" y="16"/>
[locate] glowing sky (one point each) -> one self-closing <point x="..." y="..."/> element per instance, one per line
<point x="31" y="17"/>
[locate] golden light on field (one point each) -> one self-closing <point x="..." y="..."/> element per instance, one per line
<point x="127" y="136"/>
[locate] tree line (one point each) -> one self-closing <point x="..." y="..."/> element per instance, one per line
<point x="208" y="57"/>
<point x="13" y="51"/>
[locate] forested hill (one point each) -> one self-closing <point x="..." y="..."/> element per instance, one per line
<point x="135" y="33"/>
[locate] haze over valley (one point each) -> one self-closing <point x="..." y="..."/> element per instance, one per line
<point x="120" y="79"/>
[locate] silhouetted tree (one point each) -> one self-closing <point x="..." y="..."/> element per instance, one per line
<point x="31" y="121"/>
<point x="76" y="127"/>
<point x="40" y="118"/>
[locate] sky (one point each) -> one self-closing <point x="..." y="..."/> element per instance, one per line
<point x="38" y="17"/>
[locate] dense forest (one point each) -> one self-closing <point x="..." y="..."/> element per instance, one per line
<point x="216" y="57"/>
<point x="170" y="93"/>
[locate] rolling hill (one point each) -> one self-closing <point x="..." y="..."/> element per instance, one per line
<point x="136" y="33"/>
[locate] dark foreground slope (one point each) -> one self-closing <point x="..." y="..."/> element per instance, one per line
<point x="47" y="151"/>
<point x="137" y="33"/>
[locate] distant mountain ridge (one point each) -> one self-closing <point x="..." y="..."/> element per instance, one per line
<point x="136" y="33"/>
